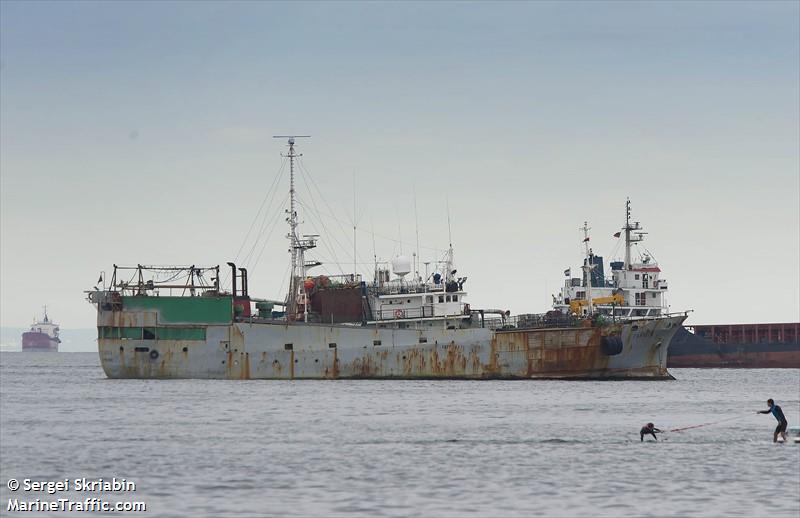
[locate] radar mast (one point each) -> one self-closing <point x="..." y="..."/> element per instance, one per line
<point x="297" y="246"/>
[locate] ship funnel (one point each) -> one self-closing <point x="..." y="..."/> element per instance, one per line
<point x="233" y="278"/>
<point x="244" y="281"/>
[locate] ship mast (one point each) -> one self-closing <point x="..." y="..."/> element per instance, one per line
<point x="297" y="246"/>
<point x="587" y="266"/>
<point x="629" y="240"/>
<point x="449" y="263"/>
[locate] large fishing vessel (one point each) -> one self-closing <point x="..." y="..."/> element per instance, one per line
<point x="42" y="335"/>
<point x="179" y="322"/>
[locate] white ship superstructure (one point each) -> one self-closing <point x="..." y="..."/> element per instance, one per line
<point x="634" y="290"/>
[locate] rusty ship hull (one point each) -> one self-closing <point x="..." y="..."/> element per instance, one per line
<point x="157" y="342"/>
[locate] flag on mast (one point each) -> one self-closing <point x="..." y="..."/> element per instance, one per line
<point x="567" y="272"/>
<point x="617" y="234"/>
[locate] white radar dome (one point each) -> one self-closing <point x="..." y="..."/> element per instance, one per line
<point x="401" y="265"/>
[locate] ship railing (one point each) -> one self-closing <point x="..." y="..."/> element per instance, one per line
<point x="530" y="321"/>
<point x="394" y="289"/>
<point x="550" y="320"/>
<point x="400" y="313"/>
<point x="653" y="317"/>
<point x="343" y="279"/>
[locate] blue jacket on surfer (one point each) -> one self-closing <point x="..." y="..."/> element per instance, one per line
<point x="649" y="429"/>
<point x="776" y="411"/>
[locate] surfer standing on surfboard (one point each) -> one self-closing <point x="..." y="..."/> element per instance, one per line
<point x="778" y="413"/>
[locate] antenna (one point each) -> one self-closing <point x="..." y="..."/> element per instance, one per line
<point x="416" y="228"/>
<point x="296" y="247"/>
<point x="449" y="231"/>
<point x="449" y="273"/>
<point x="399" y="229"/>
<point x="374" y="252"/>
<point x="354" y="226"/>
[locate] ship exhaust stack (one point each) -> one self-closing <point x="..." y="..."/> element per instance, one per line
<point x="233" y="278"/>
<point x="244" y="282"/>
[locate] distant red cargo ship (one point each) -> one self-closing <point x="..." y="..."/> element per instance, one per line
<point x="737" y="345"/>
<point x="43" y="336"/>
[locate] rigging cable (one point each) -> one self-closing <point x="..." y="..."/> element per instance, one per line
<point x="308" y="179"/>
<point x="264" y="222"/>
<point x="269" y="235"/>
<point x="315" y="212"/>
<point x="269" y="194"/>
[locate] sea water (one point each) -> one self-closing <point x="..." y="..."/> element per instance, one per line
<point x="397" y="448"/>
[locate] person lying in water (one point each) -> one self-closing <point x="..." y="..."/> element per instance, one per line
<point x="776" y="411"/>
<point x="649" y="429"/>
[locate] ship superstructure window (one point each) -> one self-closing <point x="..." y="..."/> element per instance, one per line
<point x="430" y="299"/>
<point x="441" y="298"/>
<point x="376" y="342"/>
<point x="455" y="298"/>
<point x="149" y="333"/>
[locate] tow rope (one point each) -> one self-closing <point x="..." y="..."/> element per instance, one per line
<point x="705" y="424"/>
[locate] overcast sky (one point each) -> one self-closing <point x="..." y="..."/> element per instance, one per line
<point x="141" y="133"/>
